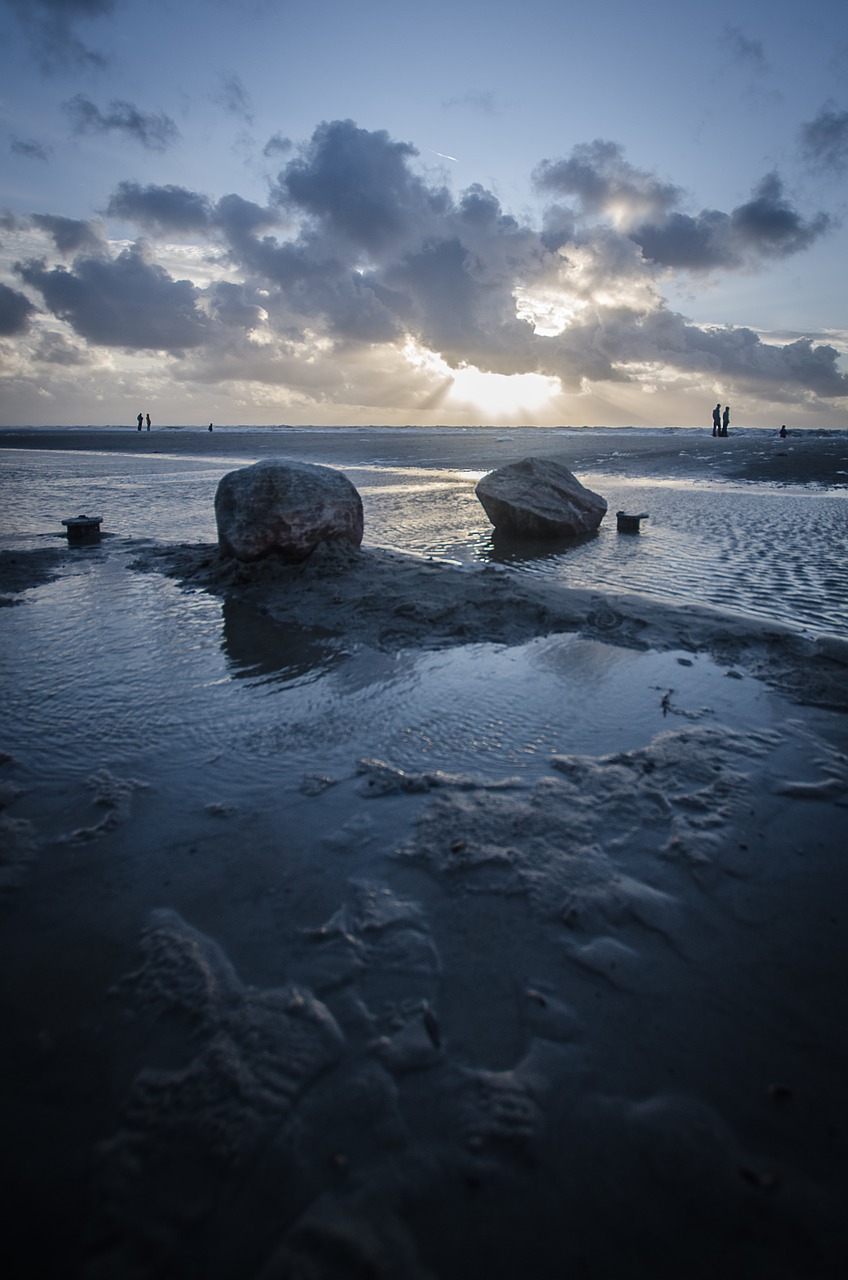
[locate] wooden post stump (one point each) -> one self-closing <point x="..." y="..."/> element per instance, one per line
<point x="82" y="530"/>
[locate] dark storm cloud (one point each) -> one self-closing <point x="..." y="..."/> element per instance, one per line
<point x="160" y="209"/>
<point x="740" y="355"/>
<point x="233" y="97"/>
<point x="359" y="252"/>
<point x="767" y="226"/>
<point x="359" y="185"/>
<point x="604" y="345"/>
<point x="49" y="25"/>
<point x="604" y="182"/>
<point x="824" y="140"/>
<point x="235" y="305"/>
<point x="70" y="235"/>
<point x="313" y="287"/>
<point x="605" y="185"/>
<point x="238" y="218"/>
<point x="457" y="308"/>
<point x="54" y="348"/>
<point x="122" y="302"/>
<point x="15" y="311"/>
<point x="154" y="130"/>
<point x="381" y="253"/>
<point x="770" y="226"/>
<point x="29" y="149"/>
<point x="170" y="210"/>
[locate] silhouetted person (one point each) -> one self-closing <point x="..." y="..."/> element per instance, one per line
<point x="148" y="422"/>
<point x="783" y="432"/>
<point x="210" y="426"/>
<point x="725" y="420"/>
<point x="717" y="420"/>
<point x="140" y="419"/>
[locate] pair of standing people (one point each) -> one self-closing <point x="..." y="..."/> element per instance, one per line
<point x="721" y="421"/>
<point x="140" y="419"/>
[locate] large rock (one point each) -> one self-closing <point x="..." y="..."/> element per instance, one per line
<point x="536" y="498"/>
<point x="284" y="509"/>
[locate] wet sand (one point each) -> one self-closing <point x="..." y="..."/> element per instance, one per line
<point x="415" y="1022"/>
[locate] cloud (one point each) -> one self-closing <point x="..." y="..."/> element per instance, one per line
<point x="54" y="348"/>
<point x="235" y="305"/>
<point x="824" y="140"/>
<point x="741" y="356"/>
<point x="122" y="302"/>
<point x="358" y="184"/>
<point x="741" y="49"/>
<point x="639" y="204"/>
<point x="748" y="56"/>
<point x="15" y="311"/>
<point x="482" y="100"/>
<point x="277" y="145"/>
<point x="239" y="219"/>
<point x="765" y="227"/>
<point x="161" y="210"/>
<point x="359" y="260"/>
<point x="605" y="183"/>
<point x="233" y="97"/>
<point x="49" y="25"/>
<point x="70" y="235"/>
<point x="770" y="227"/>
<point x="164" y="211"/>
<point x="381" y="253"/>
<point x="155" y="131"/>
<point x="29" y="149"/>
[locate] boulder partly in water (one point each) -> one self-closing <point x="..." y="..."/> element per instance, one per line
<point x="537" y="498"/>
<point x="285" y="509"/>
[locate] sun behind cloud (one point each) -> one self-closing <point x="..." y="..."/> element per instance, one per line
<point x="501" y="396"/>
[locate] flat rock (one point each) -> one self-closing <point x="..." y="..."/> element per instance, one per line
<point x="538" y="498"/>
<point x="285" y="509"/>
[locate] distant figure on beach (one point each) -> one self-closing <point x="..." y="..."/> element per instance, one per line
<point x="783" y="432"/>
<point x="717" y="420"/>
<point x="725" y="420"/>
<point x="140" y="419"/>
<point x="210" y="426"/>
<point x="148" y="422"/>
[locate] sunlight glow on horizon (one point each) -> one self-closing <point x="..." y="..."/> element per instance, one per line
<point x="501" y="394"/>
<point x="496" y="396"/>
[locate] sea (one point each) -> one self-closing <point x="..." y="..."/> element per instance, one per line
<point x="774" y="552"/>
<point x="108" y="668"/>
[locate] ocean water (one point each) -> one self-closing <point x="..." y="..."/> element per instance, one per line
<point x="776" y="553"/>
<point x="108" y="668"/>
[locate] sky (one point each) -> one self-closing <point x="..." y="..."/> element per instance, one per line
<point x="265" y="211"/>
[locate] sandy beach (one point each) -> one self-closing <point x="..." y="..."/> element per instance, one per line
<point x="417" y="920"/>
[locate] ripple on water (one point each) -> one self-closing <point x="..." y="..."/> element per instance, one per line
<point x="124" y="671"/>
<point x="776" y="553"/>
<point x="109" y="666"/>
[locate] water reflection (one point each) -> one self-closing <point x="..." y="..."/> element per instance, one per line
<point x="508" y="548"/>
<point x="775" y="553"/>
<point x="259" y="648"/>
